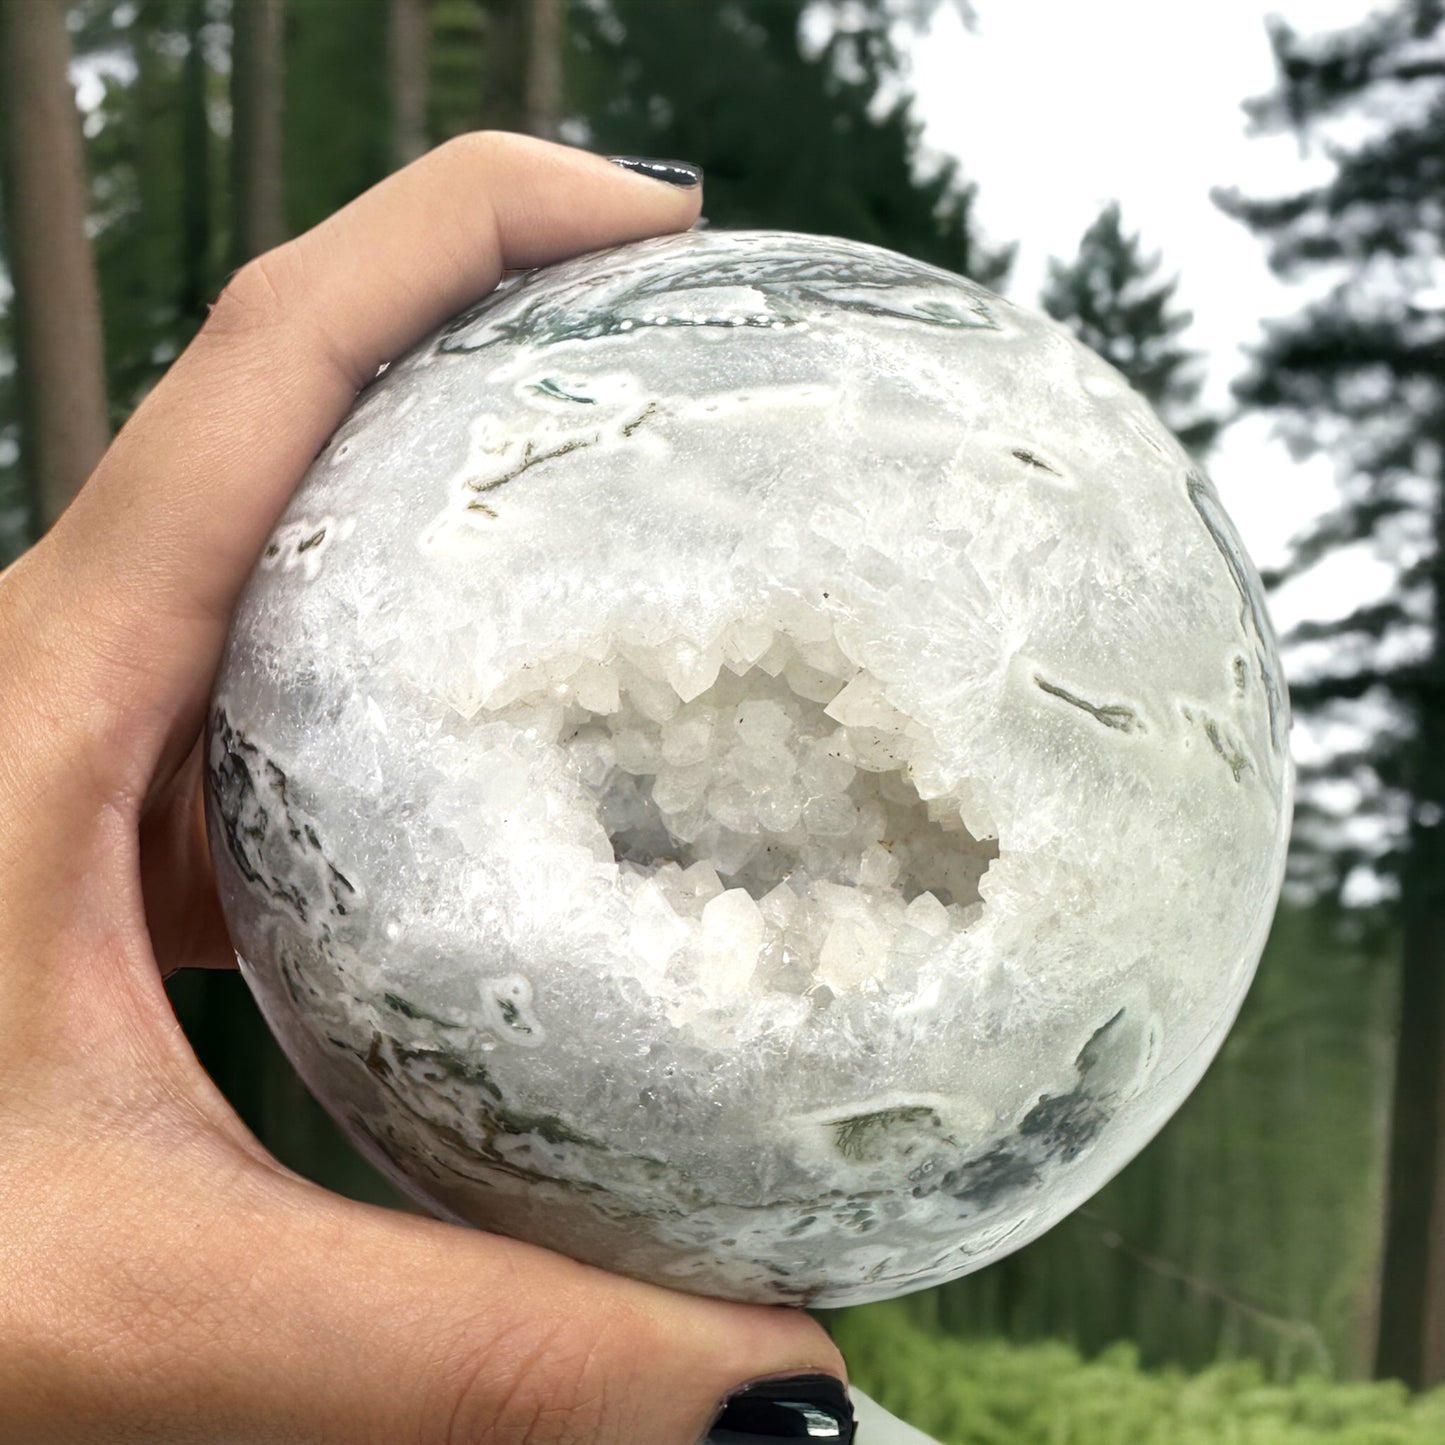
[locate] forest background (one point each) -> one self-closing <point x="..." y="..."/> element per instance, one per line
<point x="1282" y="1239"/>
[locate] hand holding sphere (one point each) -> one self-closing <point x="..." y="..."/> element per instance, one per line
<point x="203" y="1291"/>
<point x="165" y="1278"/>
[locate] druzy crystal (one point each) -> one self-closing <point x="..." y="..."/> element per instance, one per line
<point x="753" y="762"/>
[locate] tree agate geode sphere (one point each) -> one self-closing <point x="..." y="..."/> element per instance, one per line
<point x="753" y="762"/>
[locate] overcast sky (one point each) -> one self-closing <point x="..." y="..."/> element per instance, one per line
<point x="1055" y="107"/>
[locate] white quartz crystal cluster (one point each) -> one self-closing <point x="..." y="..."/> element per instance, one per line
<point x="754" y="762"/>
<point x="759" y="799"/>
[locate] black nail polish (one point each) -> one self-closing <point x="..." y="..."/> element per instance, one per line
<point x="806" y="1407"/>
<point x="675" y="173"/>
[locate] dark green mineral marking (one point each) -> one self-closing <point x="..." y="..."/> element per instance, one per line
<point x="1032" y="459"/>
<point x="1226" y="746"/>
<point x="1067" y="1123"/>
<point x="993" y="1176"/>
<point x="1252" y="614"/>
<point x="638" y="420"/>
<point x="1216" y="523"/>
<point x="376" y="1062"/>
<point x="512" y="1016"/>
<point x="469" y="1140"/>
<point x="858" y="1135"/>
<point x="274" y="848"/>
<point x="1058" y="1126"/>
<point x="409" y="1010"/>
<point x="533" y="456"/>
<point x="494" y="1119"/>
<point x="549" y="386"/>
<point x="1227" y="749"/>
<point x="1096" y="1050"/>
<point x="548" y="1126"/>
<point x="1116" y="715"/>
<point x="542" y="310"/>
<point x="314" y="540"/>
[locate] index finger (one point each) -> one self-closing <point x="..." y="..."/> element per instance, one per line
<point x="168" y="528"/>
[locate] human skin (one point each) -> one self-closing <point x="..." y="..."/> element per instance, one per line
<point x="162" y="1278"/>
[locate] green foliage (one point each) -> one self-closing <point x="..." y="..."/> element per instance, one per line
<point x="478" y="66"/>
<point x="454" y="99"/>
<point x="788" y="138"/>
<point x="157" y="193"/>
<point x="988" y="1392"/>
<point x="160" y="163"/>
<point x="1111" y="298"/>
<point x="336" y="108"/>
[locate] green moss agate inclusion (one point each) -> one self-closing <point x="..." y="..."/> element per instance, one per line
<point x="755" y="763"/>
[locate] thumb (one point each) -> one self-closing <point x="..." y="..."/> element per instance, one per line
<point x="289" y="1315"/>
<point x="482" y="1339"/>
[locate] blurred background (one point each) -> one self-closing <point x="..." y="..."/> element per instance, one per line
<point x="1241" y="208"/>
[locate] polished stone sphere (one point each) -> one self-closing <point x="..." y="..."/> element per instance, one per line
<point x="755" y="763"/>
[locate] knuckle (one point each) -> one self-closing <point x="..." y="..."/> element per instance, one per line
<point x="251" y="301"/>
<point x="274" y="301"/>
<point x="479" y="143"/>
<point x="478" y="147"/>
<point x="552" y="1387"/>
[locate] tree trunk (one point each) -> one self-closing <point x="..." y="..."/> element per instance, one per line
<point x="504" y="65"/>
<point x="544" y="69"/>
<point x="1411" y="1341"/>
<point x="196" y="260"/>
<point x="408" y="53"/>
<point x="60" y="354"/>
<point x="256" y="59"/>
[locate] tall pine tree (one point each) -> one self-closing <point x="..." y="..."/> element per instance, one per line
<point x="336" y="105"/>
<point x="155" y="198"/>
<point x="258" y="219"/>
<point x="1112" y="298"/>
<point x="1360" y="374"/>
<point x="56" y="309"/>
<point x="789" y="135"/>
<point x="408" y="52"/>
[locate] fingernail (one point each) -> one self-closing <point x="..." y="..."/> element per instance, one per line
<point x="806" y="1407"/>
<point x="675" y="173"/>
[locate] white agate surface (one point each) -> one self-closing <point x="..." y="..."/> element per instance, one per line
<point x="755" y="763"/>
